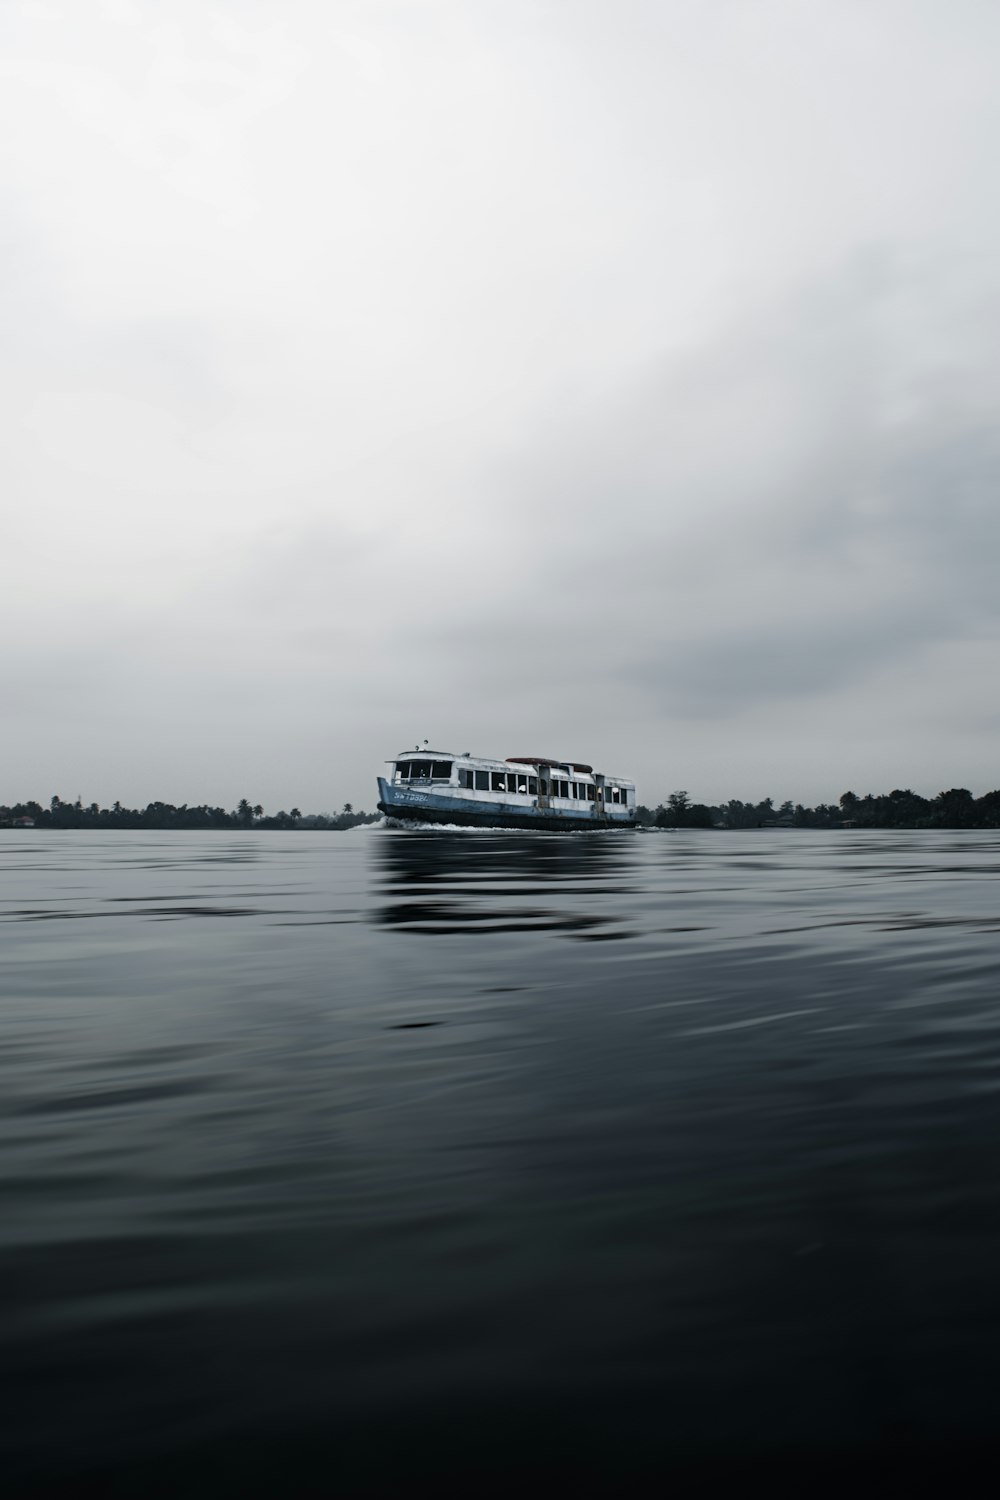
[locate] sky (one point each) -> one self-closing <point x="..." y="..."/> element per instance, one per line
<point x="616" y="381"/>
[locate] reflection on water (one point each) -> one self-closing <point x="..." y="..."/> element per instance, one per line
<point x="456" y="883"/>
<point x="344" y="1162"/>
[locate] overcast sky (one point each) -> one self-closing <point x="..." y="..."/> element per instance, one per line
<point x="609" y="380"/>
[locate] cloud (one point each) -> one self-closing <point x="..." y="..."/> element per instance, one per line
<point x="760" y="521"/>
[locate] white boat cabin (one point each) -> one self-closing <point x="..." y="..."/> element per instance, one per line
<point x="569" y="788"/>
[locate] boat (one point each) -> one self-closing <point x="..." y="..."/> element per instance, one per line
<point x="523" y="791"/>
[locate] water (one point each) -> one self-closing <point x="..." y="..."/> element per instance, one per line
<point x="344" y="1163"/>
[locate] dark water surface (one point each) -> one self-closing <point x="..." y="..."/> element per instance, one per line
<point x="394" y="1161"/>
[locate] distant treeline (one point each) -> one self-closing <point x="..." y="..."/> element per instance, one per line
<point x="899" y="809"/>
<point x="60" y="814"/>
<point x="956" y="808"/>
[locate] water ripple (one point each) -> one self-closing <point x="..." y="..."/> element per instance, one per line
<point x="322" y="1150"/>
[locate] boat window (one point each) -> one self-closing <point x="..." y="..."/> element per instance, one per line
<point x="591" y="793"/>
<point x="543" y="787"/>
<point x="564" y="788"/>
<point x="403" y="770"/>
<point x="532" y="786"/>
<point x="616" y="794"/>
<point x="498" y="781"/>
<point x="464" y="778"/>
<point x="421" y="769"/>
<point x="512" y="781"/>
<point x="482" y="781"/>
<point x="442" y="770"/>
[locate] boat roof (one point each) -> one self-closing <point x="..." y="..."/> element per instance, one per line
<point x="544" y="760"/>
<point x="424" y="752"/>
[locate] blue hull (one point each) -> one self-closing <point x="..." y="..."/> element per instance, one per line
<point x="414" y="806"/>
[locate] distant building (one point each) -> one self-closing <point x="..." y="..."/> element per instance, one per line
<point x="24" y="822"/>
